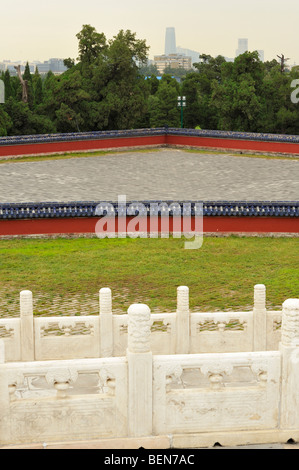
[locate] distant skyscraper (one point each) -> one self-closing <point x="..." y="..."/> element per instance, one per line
<point x="170" y="43"/>
<point x="261" y="55"/>
<point x="242" y="46"/>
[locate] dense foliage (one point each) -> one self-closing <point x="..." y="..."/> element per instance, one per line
<point x="109" y="86"/>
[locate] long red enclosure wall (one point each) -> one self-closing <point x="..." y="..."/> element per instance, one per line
<point x="155" y="140"/>
<point x="210" y="224"/>
<point x="235" y="144"/>
<point x="80" y="145"/>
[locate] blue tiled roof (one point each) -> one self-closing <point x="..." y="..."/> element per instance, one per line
<point x="88" y="209"/>
<point x="236" y="135"/>
<point x="72" y="136"/>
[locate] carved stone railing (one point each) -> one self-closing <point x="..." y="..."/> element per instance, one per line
<point x="194" y="400"/>
<point x="105" y="335"/>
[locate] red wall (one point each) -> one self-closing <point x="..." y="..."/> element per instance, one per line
<point x="78" y="145"/>
<point x="210" y="224"/>
<point x="194" y="141"/>
<point x="261" y="146"/>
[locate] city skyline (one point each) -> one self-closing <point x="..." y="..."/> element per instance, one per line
<point x="37" y="30"/>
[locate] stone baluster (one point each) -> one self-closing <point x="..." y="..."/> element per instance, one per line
<point x="106" y="322"/>
<point x="182" y="321"/>
<point x="259" y="318"/>
<point x="289" y="348"/>
<point x="139" y="358"/>
<point x="4" y="397"/>
<point x="2" y="351"/>
<point x="27" y="327"/>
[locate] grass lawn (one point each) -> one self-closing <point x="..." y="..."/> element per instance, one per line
<point x="65" y="275"/>
<point x="99" y="153"/>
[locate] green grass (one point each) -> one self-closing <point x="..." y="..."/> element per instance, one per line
<point x="238" y="153"/>
<point x="220" y="275"/>
<point x="99" y="153"/>
<point x="68" y="155"/>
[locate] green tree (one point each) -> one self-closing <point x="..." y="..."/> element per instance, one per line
<point x="67" y="119"/>
<point x="237" y="95"/>
<point x="238" y="105"/>
<point x="69" y="63"/>
<point x="27" y="74"/>
<point x="28" y="77"/>
<point x="149" y="70"/>
<point x="276" y="92"/>
<point x="117" y="82"/>
<point x="5" y="122"/>
<point x="91" y="44"/>
<point x="37" y="88"/>
<point x="9" y="89"/>
<point x="24" y="121"/>
<point x="163" y="109"/>
<point x="192" y="112"/>
<point x="49" y="103"/>
<point x="179" y="72"/>
<point x="209" y="69"/>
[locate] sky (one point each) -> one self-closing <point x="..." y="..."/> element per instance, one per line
<point x="39" y="29"/>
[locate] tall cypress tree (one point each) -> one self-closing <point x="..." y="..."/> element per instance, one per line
<point x="9" y="90"/>
<point x="27" y="74"/>
<point x="37" y="87"/>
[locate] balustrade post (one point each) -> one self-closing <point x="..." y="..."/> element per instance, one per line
<point x="140" y="374"/>
<point x="259" y="318"/>
<point x="106" y="322"/>
<point x="27" y="327"/>
<point x="182" y="321"/>
<point x="289" y="348"/>
<point x="4" y="397"/>
<point x="2" y="351"/>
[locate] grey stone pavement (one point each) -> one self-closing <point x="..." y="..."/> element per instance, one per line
<point x="166" y="174"/>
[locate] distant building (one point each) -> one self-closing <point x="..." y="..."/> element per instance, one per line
<point x="43" y="67"/>
<point x="11" y="68"/>
<point x="261" y="55"/>
<point x="54" y="65"/>
<point x="170" y="41"/>
<point x="174" y="61"/>
<point x="195" y="56"/>
<point x="57" y="65"/>
<point x="242" y="46"/>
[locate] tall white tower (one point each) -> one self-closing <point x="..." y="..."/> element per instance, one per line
<point x="242" y="46"/>
<point x="170" y="42"/>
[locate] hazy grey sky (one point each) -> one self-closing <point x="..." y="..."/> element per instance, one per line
<point x="40" y="29"/>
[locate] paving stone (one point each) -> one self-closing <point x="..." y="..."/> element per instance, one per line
<point x="167" y="174"/>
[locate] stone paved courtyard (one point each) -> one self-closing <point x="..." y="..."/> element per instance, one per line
<point x="166" y="174"/>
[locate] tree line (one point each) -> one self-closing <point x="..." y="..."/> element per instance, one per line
<point x="110" y="87"/>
